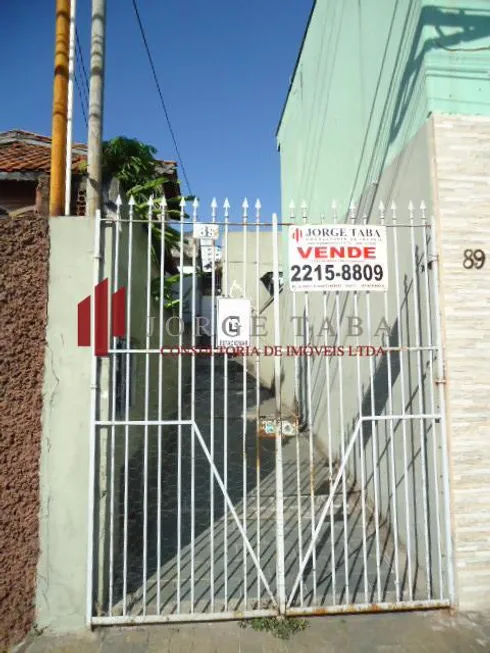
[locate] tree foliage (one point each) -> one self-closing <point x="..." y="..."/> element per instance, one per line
<point x="141" y="176"/>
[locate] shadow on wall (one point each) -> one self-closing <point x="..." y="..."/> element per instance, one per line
<point x="472" y="27"/>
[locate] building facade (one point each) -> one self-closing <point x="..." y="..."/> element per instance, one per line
<point x="391" y="102"/>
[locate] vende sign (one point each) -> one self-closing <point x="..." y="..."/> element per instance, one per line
<point x="343" y="257"/>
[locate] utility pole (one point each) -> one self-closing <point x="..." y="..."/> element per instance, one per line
<point x="69" y="128"/>
<point x="60" y="102"/>
<point x="96" y="108"/>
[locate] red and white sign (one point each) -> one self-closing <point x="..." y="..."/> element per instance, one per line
<point x="338" y="257"/>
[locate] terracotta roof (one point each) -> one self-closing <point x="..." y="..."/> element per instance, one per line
<point x="22" y="152"/>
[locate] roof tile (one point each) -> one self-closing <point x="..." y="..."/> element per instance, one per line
<point x="22" y="151"/>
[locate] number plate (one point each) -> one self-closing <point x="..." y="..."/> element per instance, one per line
<point x="338" y="257"/>
<point x="206" y="231"/>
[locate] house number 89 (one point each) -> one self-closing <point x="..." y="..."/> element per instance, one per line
<point x="473" y="258"/>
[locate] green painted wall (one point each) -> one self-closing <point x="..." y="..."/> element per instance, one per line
<point x="369" y="74"/>
<point x="456" y="42"/>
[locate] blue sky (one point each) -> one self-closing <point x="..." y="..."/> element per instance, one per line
<point x="224" y="67"/>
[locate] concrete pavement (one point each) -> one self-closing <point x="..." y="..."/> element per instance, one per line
<point x="422" y="632"/>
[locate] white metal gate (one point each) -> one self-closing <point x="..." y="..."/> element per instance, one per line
<point x="305" y="475"/>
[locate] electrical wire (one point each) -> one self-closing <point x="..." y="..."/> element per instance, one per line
<point x="157" y="83"/>
<point x="80" y="95"/>
<point x="82" y="62"/>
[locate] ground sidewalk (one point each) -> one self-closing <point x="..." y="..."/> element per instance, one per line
<point x="423" y="632"/>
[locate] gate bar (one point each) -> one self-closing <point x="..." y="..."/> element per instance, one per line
<point x="363" y="468"/>
<point x="280" y="580"/>
<point x="94" y="386"/>
<point x="163" y="209"/>
<point x="244" y="407"/>
<point x="408" y="543"/>
<point x="432" y="402"/>
<point x="442" y="406"/>
<point x="392" y="446"/>
<point x="386" y="606"/>
<point x="374" y="447"/>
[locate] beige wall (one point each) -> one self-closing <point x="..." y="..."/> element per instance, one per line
<point x="241" y="279"/>
<point x="65" y="460"/>
<point x="461" y="169"/>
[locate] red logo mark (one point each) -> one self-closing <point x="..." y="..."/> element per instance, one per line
<point x="101" y="318"/>
<point x="297" y="234"/>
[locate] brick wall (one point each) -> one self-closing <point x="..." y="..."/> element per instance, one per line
<point x="461" y="171"/>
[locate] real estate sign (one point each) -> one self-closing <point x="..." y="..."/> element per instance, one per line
<point x="233" y="324"/>
<point x="337" y="257"/>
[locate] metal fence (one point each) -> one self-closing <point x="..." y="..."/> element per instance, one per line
<point x="200" y="509"/>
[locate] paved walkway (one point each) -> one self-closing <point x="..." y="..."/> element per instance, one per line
<point x="210" y="568"/>
<point x="435" y="632"/>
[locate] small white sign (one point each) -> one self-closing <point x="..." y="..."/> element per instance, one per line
<point x="337" y="257"/>
<point x="233" y="327"/>
<point x="207" y="231"/>
<point x="207" y="257"/>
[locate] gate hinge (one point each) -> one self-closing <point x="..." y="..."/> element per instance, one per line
<point x="438" y="381"/>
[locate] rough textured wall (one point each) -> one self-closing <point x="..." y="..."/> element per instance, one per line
<point x="23" y="299"/>
<point x="462" y="150"/>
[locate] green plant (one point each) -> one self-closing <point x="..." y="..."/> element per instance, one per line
<point x="280" y="627"/>
<point x="134" y="164"/>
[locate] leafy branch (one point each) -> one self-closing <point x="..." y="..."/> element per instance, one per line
<point x="142" y="176"/>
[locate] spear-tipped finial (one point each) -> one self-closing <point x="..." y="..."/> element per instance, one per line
<point x="195" y="206"/>
<point x="163" y="208"/>
<point x="245" y="209"/>
<point x="304" y="209"/>
<point x="258" y="206"/>
<point x="214" y="208"/>
<point x="226" y="206"/>
<point x="382" y="209"/>
<point x="118" y="201"/>
<point x="423" y="206"/>
<point x="393" y="206"/>
<point x="131" y="201"/>
<point x="352" y="211"/>
<point x="182" y="202"/>
<point x="411" y="206"/>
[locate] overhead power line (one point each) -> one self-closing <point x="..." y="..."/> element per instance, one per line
<point x="157" y="83"/>
<point x="79" y="53"/>
<point x="82" y="103"/>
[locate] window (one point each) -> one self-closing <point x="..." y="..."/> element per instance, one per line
<point x="268" y="281"/>
<point x="121" y="362"/>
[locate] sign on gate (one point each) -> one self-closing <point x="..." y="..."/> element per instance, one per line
<point x="233" y="328"/>
<point x="338" y="257"/>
